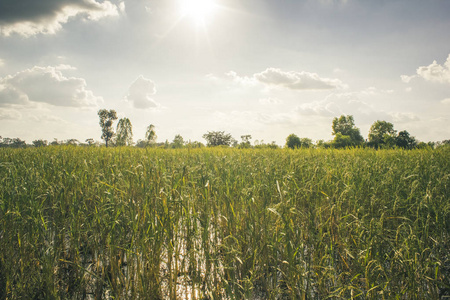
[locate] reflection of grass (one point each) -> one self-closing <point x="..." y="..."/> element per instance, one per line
<point x="223" y="223"/>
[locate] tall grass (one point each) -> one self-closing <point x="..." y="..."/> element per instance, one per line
<point x="122" y="223"/>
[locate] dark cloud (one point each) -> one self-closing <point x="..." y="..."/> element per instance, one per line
<point x="28" y="17"/>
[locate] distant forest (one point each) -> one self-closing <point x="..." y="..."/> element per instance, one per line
<point x="382" y="135"/>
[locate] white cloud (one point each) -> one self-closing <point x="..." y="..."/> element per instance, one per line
<point x="406" y="78"/>
<point x="31" y="17"/>
<point x="436" y="72"/>
<point x="372" y="91"/>
<point x="404" y="117"/>
<point x="270" y="101"/>
<point x="297" y="80"/>
<point x="318" y="108"/>
<point x="2" y="62"/>
<point x="243" y="80"/>
<point x="236" y="120"/>
<point x="212" y="78"/>
<point x="446" y="101"/>
<point x="140" y="93"/>
<point x="48" y="119"/>
<point x="433" y="72"/>
<point x="273" y="77"/>
<point x="337" y="104"/>
<point x="46" y="85"/>
<point x="359" y="104"/>
<point x="9" y="114"/>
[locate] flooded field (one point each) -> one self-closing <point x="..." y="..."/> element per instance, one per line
<point x="122" y="223"/>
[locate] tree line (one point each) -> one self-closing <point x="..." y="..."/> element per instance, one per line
<point x="382" y="135"/>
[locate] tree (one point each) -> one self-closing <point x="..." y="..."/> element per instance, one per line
<point x="72" y="142"/>
<point x="217" y="138"/>
<point x="382" y="134"/>
<point x="306" y="143"/>
<point x="342" y="141"/>
<point x="90" y="141"/>
<point x="150" y="135"/>
<point x="293" y="141"/>
<point x="423" y="145"/>
<point x="194" y="144"/>
<point x="178" y="141"/>
<point x="40" y="143"/>
<point x="405" y="141"/>
<point x="444" y="143"/>
<point x="323" y="144"/>
<point x="345" y="125"/>
<point x="107" y="117"/>
<point x="245" y="141"/>
<point x="55" y="142"/>
<point x="18" y="143"/>
<point x="124" y="132"/>
<point x="13" y="143"/>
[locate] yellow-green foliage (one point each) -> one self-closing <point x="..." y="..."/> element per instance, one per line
<point x="123" y="223"/>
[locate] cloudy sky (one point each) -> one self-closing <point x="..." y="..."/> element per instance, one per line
<point x="261" y="67"/>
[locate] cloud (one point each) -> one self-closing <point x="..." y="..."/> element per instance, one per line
<point x="406" y="78"/>
<point x="31" y="17"/>
<point x="433" y="72"/>
<point x="242" y="80"/>
<point x="2" y="62"/>
<point x="332" y="2"/>
<point x="140" y="93"/>
<point x="446" y="101"/>
<point x="404" y="117"/>
<point x="270" y="101"/>
<point x="337" y="104"/>
<point x="297" y="80"/>
<point x="436" y="72"/>
<point x="237" y="120"/>
<point x="273" y="77"/>
<point x="9" y="114"/>
<point x="46" y="85"/>
<point x="318" y="108"/>
<point x="357" y="104"/>
<point x="48" y="119"/>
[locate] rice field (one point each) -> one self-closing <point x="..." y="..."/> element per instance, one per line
<point x="215" y="223"/>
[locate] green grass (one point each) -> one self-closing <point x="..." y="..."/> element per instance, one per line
<point x="126" y="223"/>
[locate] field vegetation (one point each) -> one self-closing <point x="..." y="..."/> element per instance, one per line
<point x="217" y="223"/>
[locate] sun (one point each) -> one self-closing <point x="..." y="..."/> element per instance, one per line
<point x="198" y="10"/>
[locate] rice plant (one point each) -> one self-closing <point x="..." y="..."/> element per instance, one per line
<point x="124" y="223"/>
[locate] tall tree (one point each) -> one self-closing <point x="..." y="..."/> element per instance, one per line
<point x="90" y="141"/>
<point x="72" y="142"/>
<point x="178" y="141"/>
<point x="218" y="138"/>
<point x="150" y="134"/>
<point x="404" y="140"/>
<point x="293" y="141"/>
<point x="107" y="117"/>
<point x="124" y="132"/>
<point x="382" y="134"/>
<point x="40" y="143"/>
<point x="245" y="141"/>
<point x="345" y="125"/>
<point x="342" y="141"/>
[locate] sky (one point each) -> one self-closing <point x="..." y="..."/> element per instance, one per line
<point x="261" y="67"/>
